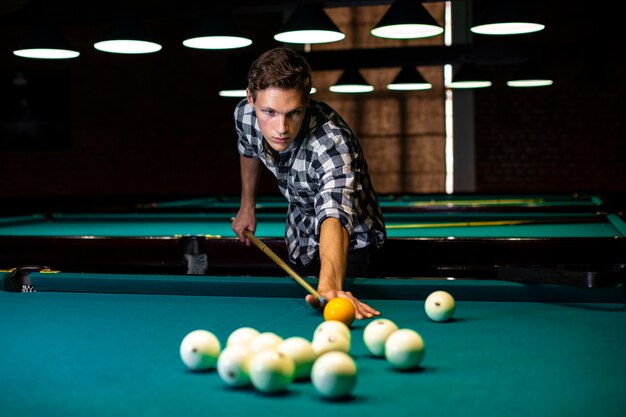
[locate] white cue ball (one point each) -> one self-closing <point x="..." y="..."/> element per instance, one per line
<point x="439" y="306"/>
<point x="242" y="335"/>
<point x="404" y="349"/>
<point x="328" y="342"/>
<point x="332" y="327"/>
<point x="376" y="333"/>
<point x="334" y="375"/>
<point x="199" y="350"/>
<point x="265" y="340"/>
<point x="233" y="365"/>
<point x="271" y="372"/>
<point x="301" y="353"/>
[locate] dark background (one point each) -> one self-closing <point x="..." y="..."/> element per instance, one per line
<point x="118" y="127"/>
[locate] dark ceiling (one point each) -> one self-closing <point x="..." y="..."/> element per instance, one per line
<point x="76" y="10"/>
<point x="575" y="30"/>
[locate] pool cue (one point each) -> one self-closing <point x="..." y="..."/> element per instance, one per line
<point x="293" y="274"/>
<point x="490" y="223"/>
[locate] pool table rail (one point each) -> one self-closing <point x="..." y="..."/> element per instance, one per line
<point x="587" y="261"/>
<point x="282" y="287"/>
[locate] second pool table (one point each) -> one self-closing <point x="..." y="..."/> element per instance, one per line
<point x="578" y="248"/>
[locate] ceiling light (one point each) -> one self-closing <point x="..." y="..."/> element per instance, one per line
<point x="506" y="18"/>
<point x="233" y="92"/>
<point x="407" y="19"/>
<point x="45" y="42"/>
<point x="530" y="75"/>
<point x="217" y="32"/>
<point x="409" y="78"/>
<point x="127" y="36"/>
<point x="309" y="24"/>
<point x="469" y="76"/>
<point x="351" y="81"/>
<point x="241" y="92"/>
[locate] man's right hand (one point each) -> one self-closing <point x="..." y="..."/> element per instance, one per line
<point x="245" y="219"/>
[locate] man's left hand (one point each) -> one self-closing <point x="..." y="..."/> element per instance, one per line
<point x="362" y="310"/>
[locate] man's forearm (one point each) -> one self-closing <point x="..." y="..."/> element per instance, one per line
<point x="333" y="255"/>
<point x="250" y="169"/>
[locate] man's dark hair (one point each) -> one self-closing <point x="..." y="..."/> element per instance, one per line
<point x="280" y="68"/>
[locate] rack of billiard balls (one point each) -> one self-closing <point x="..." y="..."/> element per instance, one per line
<point x="270" y="363"/>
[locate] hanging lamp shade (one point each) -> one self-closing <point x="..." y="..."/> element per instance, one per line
<point x="530" y="75"/>
<point x="506" y="18"/>
<point x="351" y="81"/>
<point x="406" y="19"/>
<point x="46" y="42"/>
<point x="408" y="79"/>
<point x="128" y="36"/>
<point x="217" y="32"/>
<point x="469" y="76"/>
<point x="309" y="24"/>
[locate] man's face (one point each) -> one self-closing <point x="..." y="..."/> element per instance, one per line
<point x="280" y="114"/>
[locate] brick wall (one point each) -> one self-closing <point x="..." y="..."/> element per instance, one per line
<point x="566" y="137"/>
<point x="402" y="133"/>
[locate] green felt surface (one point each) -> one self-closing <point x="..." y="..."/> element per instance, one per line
<point x="93" y="354"/>
<point x="273" y="225"/>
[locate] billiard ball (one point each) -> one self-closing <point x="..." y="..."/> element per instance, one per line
<point x="233" y="365"/>
<point x="376" y="333"/>
<point x="404" y="349"/>
<point x="199" y="350"/>
<point x="271" y="372"/>
<point x="340" y="309"/>
<point x="265" y="340"/>
<point x="327" y="342"/>
<point x="301" y="353"/>
<point x="242" y="335"/>
<point x="439" y="306"/>
<point x="332" y="327"/>
<point x="334" y="375"/>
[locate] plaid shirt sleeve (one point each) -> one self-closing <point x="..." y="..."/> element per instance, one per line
<point x="247" y="141"/>
<point x="334" y="164"/>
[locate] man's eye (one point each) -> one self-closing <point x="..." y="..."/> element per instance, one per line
<point x="270" y="112"/>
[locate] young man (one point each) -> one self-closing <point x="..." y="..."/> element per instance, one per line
<point x="334" y="220"/>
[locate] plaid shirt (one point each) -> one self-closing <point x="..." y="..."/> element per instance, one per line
<point x="322" y="174"/>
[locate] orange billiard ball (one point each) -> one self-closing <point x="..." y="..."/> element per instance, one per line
<point x="340" y="309"/>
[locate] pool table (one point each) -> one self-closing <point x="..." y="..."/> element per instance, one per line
<point x="403" y="202"/>
<point x="586" y="249"/>
<point x="103" y="345"/>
